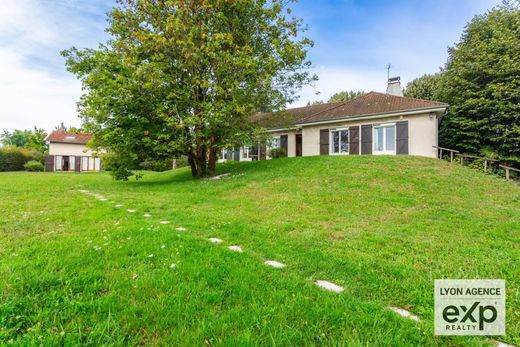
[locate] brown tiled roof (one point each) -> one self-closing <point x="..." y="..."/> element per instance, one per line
<point x="68" y="137"/>
<point x="372" y="103"/>
<point x="290" y="116"/>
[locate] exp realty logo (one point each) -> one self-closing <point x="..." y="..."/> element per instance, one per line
<point x="470" y="307"/>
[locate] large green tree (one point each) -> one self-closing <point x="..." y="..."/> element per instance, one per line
<point x="184" y="76"/>
<point x="32" y="139"/>
<point x="346" y="95"/>
<point x="339" y="96"/>
<point x="425" y="87"/>
<point x="481" y="83"/>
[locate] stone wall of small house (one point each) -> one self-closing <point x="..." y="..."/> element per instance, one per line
<point x="422" y="133"/>
<point x="69" y="149"/>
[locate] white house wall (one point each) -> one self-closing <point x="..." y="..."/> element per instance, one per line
<point x="291" y="140"/>
<point x="68" y="149"/>
<point x="422" y="134"/>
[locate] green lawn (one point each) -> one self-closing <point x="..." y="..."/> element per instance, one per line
<point x="77" y="270"/>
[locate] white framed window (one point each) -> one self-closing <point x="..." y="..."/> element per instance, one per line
<point x="272" y="143"/>
<point x="72" y="163"/>
<point x="275" y="142"/>
<point x="59" y="163"/>
<point x="84" y="163"/>
<point x="225" y="154"/>
<point x="91" y="166"/>
<point x="338" y="141"/>
<point x="246" y="153"/>
<point x="384" y="139"/>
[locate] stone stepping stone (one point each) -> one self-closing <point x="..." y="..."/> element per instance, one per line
<point x="215" y="240"/>
<point x="147" y="215"/>
<point x="274" y="263"/>
<point x="181" y="229"/>
<point x="404" y="313"/>
<point x="235" y="249"/>
<point x="164" y="222"/>
<point x="119" y="205"/>
<point x="502" y="344"/>
<point x="329" y="286"/>
<point x="103" y="199"/>
<point x="131" y="211"/>
<point x="83" y="191"/>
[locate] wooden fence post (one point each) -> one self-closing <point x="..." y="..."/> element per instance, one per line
<point x="451" y="157"/>
<point x="485" y="165"/>
<point x="507" y="173"/>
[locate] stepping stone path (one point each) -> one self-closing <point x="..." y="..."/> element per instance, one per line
<point x="235" y="249"/>
<point x="329" y="286"/>
<point x="404" y="313"/>
<point x="502" y="344"/>
<point x="274" y="263"/>
<point x="219" y="176"/>
<point x="320" y="283"/>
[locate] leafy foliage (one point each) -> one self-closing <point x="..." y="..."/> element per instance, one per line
<point x="34" y="139"/>
<point x="183" y="77"/>
<point x="340" y="96"/>
<point x="481" y="83"/>
<point x="346" y="95"/>
<point x="13" y="158"/>
<point x="277" y="153"/>
<point x="425" y="87"/>
<point x="34" y="165"/>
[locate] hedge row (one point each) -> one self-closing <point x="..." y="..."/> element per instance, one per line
<point x="14" y="158"/>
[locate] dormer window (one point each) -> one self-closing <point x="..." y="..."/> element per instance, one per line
<point x="71" y="137"/>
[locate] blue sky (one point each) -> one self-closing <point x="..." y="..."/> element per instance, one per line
<point x="354" y="41"/>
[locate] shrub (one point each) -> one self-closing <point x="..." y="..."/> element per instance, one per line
<point x="157" y="165"/>
<point x="182" y="161"/>
<point x="477" y="164"/>
<point x="164" y="164"/>
<point x="277" y="153"/>
<point x="14" y="158"/>
<point x="121" y="173"/>
<point x="34" y="165"/>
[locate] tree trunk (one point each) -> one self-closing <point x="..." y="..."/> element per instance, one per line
<point x="212" y="157"/>
<point x="193" y="165"/>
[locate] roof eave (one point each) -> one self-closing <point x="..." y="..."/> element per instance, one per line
<point x="374" y="115"/>
<point x="70" y="143"/>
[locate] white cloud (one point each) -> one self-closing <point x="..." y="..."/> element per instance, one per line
<point x="30" y="97"/>
<point x="336" y="79"/>
<point x="35" y="88"/>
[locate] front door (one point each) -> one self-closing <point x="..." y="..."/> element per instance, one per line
<point x="298" y="145"/>
<point x="65" y="163"/>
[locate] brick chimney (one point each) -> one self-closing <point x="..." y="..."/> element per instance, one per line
<point x="394" y="86"/>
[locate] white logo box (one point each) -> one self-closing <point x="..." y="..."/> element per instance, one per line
<point x="470" y="307"/>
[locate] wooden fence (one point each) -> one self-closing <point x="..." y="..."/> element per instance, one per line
<point x="466" y="157"/>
